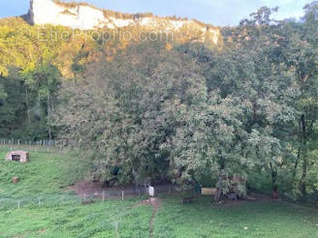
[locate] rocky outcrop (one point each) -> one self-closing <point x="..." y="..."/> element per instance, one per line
<point x="86" y="17"/>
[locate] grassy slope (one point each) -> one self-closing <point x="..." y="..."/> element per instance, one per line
<point x="61" y="214"/>
<point x="246" y="219"/>
<point x="41" y="175"/>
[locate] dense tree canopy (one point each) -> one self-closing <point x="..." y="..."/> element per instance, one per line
<point x="190" y="114"/>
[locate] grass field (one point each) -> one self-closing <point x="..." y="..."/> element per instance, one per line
<point x="40" y="205"/>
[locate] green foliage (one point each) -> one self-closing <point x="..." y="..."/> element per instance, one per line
<point x="27" y="103"/>
<point x="167" y="111"/>
<point x="126" y="108"/>
<point x="271" y="69"/>
<point x="154" y="113"/>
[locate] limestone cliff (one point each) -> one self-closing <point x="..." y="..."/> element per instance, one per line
<point x="86" y="17"/>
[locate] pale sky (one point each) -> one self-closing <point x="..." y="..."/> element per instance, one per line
<point x="216" y="12"/>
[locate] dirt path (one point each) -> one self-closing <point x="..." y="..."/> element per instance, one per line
<point x="155" y="203"/>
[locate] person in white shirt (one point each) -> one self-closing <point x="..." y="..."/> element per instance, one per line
<point x="151" y="191"/>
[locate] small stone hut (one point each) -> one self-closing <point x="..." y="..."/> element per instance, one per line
<point x="19" y="156"/>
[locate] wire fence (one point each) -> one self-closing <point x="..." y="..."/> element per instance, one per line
<point x="66" y="199"/>
<point x="56" y="200"/>
<point x="49" y="200"/>
<point x="33" y="146"/>
<point x="44" y="200"/>
<point x="107" y="219"/>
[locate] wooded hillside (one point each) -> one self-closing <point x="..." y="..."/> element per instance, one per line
<point x="178" y="111"/>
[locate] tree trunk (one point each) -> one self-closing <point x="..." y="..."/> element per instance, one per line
<point x="296" y="163"/>
<point x="27" y="104"/>
<point x="218" y="195"/>
<point x="304" y="157"/>
<point x="48" y="116"/>
<point x="275" y="193"/>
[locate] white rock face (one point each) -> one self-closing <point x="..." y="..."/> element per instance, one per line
<point x="80" y="17"/>
<point x="83" y="17"/>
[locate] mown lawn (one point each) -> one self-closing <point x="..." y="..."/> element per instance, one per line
<point x="41" y="206"/>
